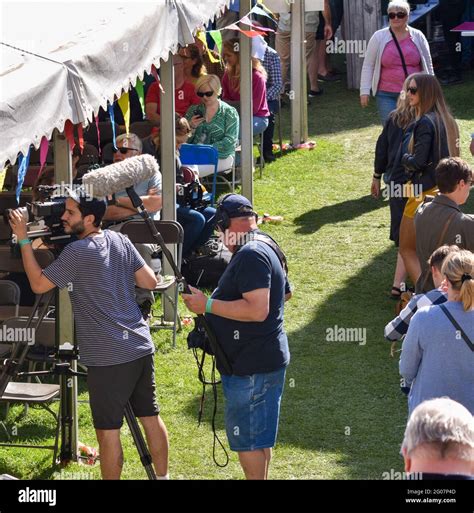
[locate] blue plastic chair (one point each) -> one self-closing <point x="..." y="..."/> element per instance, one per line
<point x="200" y="154"/>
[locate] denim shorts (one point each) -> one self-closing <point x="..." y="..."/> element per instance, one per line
<point x="252" y="409"/>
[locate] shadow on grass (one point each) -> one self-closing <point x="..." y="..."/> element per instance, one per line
<point x="313" y="220"/>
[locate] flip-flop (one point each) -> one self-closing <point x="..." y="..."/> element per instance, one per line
<point x="397" y="295"/>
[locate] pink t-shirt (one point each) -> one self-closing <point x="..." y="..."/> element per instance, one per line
<point x="259" y="93"/>
<point x="392" y="74"/>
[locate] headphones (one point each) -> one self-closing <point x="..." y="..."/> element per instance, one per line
<point x="222" y="215"/>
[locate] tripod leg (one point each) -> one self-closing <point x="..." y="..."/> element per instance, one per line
<point x="144" y="453"/>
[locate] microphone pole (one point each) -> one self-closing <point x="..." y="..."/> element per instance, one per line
<point x="138" y="204"/>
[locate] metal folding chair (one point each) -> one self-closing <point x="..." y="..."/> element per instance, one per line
<point x="172" y="233"/>
<point x="10" y="295"/>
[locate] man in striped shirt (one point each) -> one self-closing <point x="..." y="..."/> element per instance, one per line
<point x="397" y="329"/>
<point x="100" y="270"/>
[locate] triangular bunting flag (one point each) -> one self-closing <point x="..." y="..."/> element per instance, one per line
<point x="141" y="95"/>
<point x="23" y="163"/>
<point x="44" y="147"/>
<point x="112" y="120"/>
<point x="124" y="104"/>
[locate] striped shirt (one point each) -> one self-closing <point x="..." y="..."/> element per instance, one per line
<point x="99" y="273"/>
<point x="397" y="329"/>
<point x="221" y="132"/>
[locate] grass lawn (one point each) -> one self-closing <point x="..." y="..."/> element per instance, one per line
<point x="343" y="415"/>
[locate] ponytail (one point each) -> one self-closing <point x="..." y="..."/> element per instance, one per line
<point x="459" y="270"/>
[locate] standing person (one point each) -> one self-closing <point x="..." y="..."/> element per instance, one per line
<point x="437" y="358"/>
<point x="326" y="72"/>
<point x="246" y="315"/>
<point x="386" y="67"/>
<point x="443" y="217"/>
<point x="392" y="144"/>
<point x="271" y="62"/>
<point x="231" y="85"/>
<point x="100" y="270"/>
<point x="283" y="45"/>
<point x="435" y="136"/>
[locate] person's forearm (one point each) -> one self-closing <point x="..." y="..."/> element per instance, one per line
<point x="151" y="202"/>
<point x="238" y="310"/>
<point x="115" y="213"/>
<point x="31" y="266"/>
<point x="327" y="13"/>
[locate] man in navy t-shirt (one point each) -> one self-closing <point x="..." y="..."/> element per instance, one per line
<point x="100" y="270"/>
<point x="246" y="314"/>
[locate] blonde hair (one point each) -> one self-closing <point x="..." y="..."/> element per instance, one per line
<point x="210" y="80"/>
<point x="404" y="114"/>
<point x="459" y="270"/>
<point x="404" y="6"/>
<point x="432" y="100"/>
<point x="233" y="45"/>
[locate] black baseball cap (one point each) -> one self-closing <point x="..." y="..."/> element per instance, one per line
<point x="236" y="205"/>
<point x="89" y="205"/>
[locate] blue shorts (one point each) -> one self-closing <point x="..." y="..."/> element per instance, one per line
<point x="252" y="409"/>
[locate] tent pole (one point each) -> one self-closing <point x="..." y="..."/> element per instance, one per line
<point x="65" y="320"/>
<point x="168" y="163"/>
<point x="246" y="108"/>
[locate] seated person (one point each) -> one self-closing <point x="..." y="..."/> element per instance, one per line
<point x="184" y="95"/>
<point x="397" y="329"/>
<point x="214" y="122"/>
<point x="231" y="85"/>
<point x="437" y="357"/>
<point x="197" y="223"/>
<point x="193" y="64"/>
<point x="439" y="441"/>
<point x="122" y="210"/>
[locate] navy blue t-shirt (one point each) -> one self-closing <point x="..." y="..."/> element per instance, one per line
<point x="253" y="347"/>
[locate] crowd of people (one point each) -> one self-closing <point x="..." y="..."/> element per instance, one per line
<point x="417" y="155"/>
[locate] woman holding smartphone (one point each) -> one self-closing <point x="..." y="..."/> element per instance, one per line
<point x="213" y="122"/>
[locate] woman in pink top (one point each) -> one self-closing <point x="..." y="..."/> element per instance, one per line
<point x="231" y="85"/>
<point x="384" y="71"/>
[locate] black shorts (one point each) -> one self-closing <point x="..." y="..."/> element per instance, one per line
<point x="112" y="386"/>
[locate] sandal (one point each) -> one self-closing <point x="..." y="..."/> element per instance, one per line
<point x="397" y="294"/>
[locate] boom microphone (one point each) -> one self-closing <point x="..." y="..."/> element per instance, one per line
<point x="119" y="176"/>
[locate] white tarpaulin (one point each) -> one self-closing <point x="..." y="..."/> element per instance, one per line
<point x="78" y="56"/>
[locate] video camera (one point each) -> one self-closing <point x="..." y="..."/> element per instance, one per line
<point x="189" y="193"/>
<point x="44" y="217"/>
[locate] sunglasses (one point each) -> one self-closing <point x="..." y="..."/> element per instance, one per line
<point x="123" y="151"/>
<point x="201" y="94"/>
<point x="412" y="90"/>
<point x="399" y="15"/>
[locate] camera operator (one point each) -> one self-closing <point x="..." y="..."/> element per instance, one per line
<point x="246" y="315"/>
<point x="100" y="270"/>
<point x="122" y="210"/>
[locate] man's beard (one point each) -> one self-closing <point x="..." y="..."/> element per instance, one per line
<point x="75" y="229"/>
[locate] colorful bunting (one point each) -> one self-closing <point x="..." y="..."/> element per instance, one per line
<point x="23" y="163"/>
<point x="124" y="104"/>
<point x="69" y="133"/>
<point x="263" y="11"/>
<point x="217" y="38"/>
<point x="80" y="136"/>
<point x="112" y="120"/>
<point x="96" y="119"/>
<point x="141" y="95"/>
<point x="44" y="147"/>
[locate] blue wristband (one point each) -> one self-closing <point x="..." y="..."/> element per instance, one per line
<point x="209" y="305"/>
<point x="23" y="242"/>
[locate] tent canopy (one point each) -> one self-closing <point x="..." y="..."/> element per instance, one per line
<point x="78" y="56"/>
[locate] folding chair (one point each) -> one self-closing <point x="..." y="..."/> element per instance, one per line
<point x="172" y="233"/>
<point x="31" y="393"/>
<point x="10" y="295"/>
<point x="203" y="154"/>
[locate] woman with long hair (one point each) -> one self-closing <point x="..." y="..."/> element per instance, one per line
<point x="391" y="145"/>
<point x="231" y="85"/>
<point x="435" y="136"/>
<point x="437" y="357"/>
<point x="193" y="64"/>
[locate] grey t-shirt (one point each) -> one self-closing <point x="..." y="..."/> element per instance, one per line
<point x="99" y="273"/>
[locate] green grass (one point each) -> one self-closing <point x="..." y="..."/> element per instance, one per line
<point x="342" y="414"/>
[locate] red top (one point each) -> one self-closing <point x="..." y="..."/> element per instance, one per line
<point x="392" y="74"/>
<point x="184" y="97"/>
<point x="259" y="93"/>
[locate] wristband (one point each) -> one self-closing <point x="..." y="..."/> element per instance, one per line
<point x="209" y="305"/>
<point x="377" y="177"/>
<point x="23" y="242"/>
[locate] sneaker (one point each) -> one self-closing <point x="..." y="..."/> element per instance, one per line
<point x="328" y="78"/>
<point x="313" y="94"/>
<point x="269" y="157"/>
<point x="145" y="309"/>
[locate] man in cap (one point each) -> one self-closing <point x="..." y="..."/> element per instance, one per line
<point x="246" y="315"/>
<point x="100" y="269"/>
